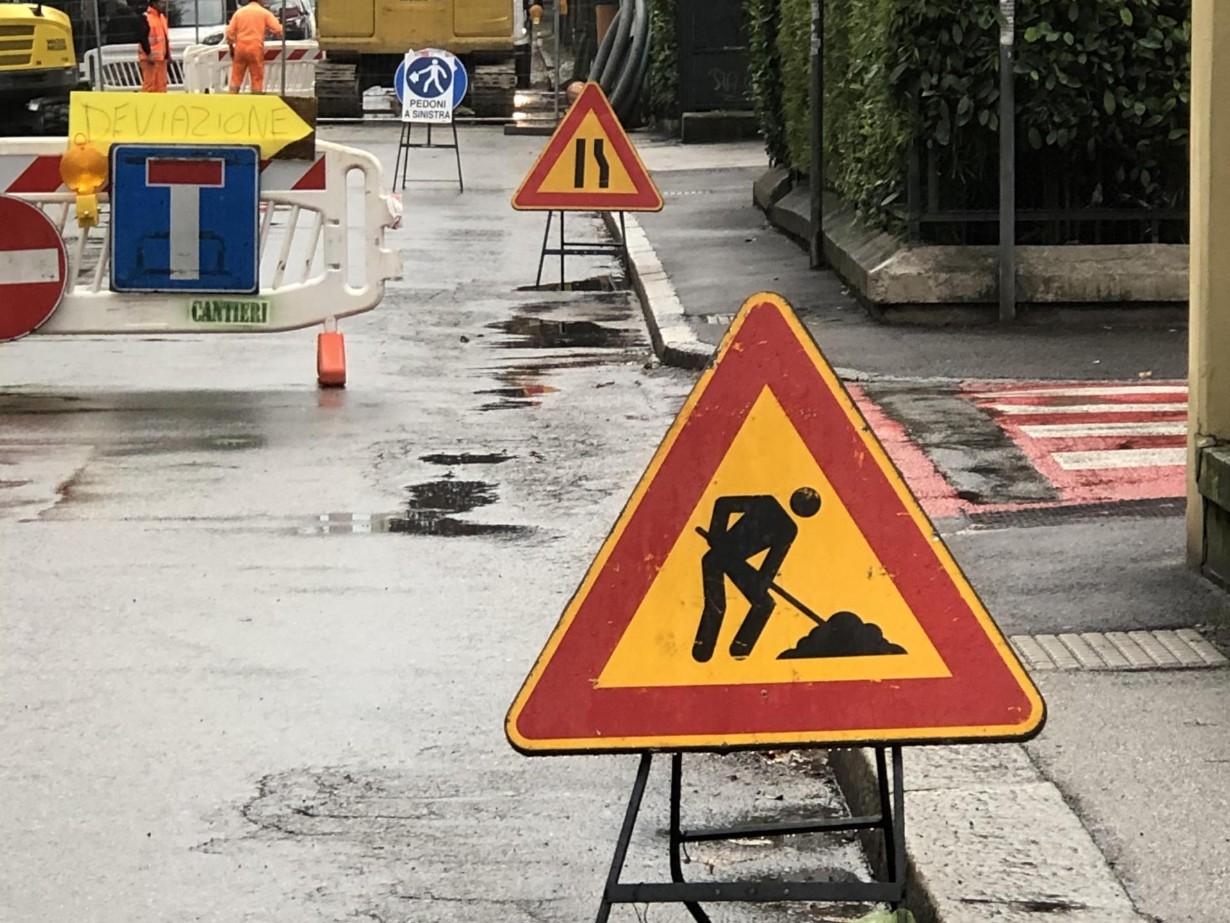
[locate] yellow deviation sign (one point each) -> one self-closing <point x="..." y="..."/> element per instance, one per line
<point x="103" y="119"/>
<point x="589" y="165"/>
<point x="772" y="582"/>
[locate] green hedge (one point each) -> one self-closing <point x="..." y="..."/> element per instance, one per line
<point x="1102" y="94"/>
<point x="761" y="20"/>
<point x="662" y="97"/>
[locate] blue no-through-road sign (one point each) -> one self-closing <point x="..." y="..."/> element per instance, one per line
<point x="184" y="218"/>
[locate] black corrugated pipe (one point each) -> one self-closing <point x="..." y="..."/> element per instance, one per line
<point x="621" y="29"/>
<point x="623" y="58"/>
<point x="628" y="88"/>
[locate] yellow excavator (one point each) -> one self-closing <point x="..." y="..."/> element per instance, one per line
<point x="37" y="58"/>
<point x="365" y="40"/>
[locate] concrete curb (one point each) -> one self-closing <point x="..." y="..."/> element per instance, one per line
<point x="988" y="838"/>
<point x="674" y="341"/>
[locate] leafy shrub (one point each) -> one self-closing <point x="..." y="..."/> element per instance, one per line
<point x="1102" y="98"/>
<point x="765" y="74"/>
<point x="662" y="97"/>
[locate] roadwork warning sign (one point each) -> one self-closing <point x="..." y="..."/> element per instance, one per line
<point x="772" y="582"/>
<point x="589" y="165"/>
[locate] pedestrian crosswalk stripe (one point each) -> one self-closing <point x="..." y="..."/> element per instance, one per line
<point x="1096" y="441"/>
<point x="1119" y="458"/>
<point x="1083" y="391"/>
<point x="1078" y="430"/>
<point x="1042" y="409"/>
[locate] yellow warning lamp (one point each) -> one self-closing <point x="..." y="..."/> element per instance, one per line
<point x="536" y="13"/>
<point x="84" y="170"/>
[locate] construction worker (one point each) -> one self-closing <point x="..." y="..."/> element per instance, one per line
<point x="246" y="36"/>
<point x="154" y="48"/>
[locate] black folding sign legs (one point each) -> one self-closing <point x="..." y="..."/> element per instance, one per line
<point x="890" y="821"/>
<point x="569" y="248"/>
<point x="406" y="144"/>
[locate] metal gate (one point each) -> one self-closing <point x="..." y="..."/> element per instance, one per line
<point x="712" y="56"/>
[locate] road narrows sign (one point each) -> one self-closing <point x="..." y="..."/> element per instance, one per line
<point x="33" y="268"/>
<point x="589" y="164"/>
<point x="772" y="582"/>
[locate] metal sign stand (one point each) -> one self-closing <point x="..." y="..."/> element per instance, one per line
<point x="405" y="145"/>
<point x="569" y="248"/>
<point x="890" y="821"/>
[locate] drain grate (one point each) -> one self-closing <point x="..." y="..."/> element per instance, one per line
<point x="1181" y="649"/>
<point x="1051" y="514"/>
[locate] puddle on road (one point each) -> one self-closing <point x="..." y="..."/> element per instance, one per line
<point x="596" y="284"/>
<point x="616" y="300"/>
<point x="523" y="389"/>
<point x="431" y="510"/>
<point x="174" y="445"/>
<point x="541" y="333"/>
<point x="466" y="458"/>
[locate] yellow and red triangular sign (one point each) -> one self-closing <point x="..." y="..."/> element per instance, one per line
<point x="589" y="165"/>
<point x="772" y="582"/>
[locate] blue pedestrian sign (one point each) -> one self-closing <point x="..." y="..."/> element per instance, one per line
<point x="184" y="219"/>
<point x="430" y="84"/>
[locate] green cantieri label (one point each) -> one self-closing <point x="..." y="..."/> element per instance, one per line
<point x="227" y="312"/>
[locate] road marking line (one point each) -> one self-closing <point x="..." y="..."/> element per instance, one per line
<point x="1161" y="649"/>
<point x="1178" y="649"/>
<point x="1082" y="651"/>
<point x="1077" y="430"/>
<point x="1032" y="653"/>
<point x="1135" y="655"/>
<point x="29" y="267"/>
<point x="1082" y="391"/>
<point x="1208" y="653"/>
<point x="1153" y="648"/>
<point x="1120" y="458"/>
<point x="1060" y="655"/>
<point x="1043" y="410"/>
<point x="1107" y="651"/>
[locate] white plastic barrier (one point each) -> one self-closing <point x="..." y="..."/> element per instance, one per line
<point x="207" y="68"/>
<point x="117" y="67"/>
<point x="322" y="245"/>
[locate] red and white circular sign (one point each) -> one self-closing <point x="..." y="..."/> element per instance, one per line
<point x="33" y="268"/>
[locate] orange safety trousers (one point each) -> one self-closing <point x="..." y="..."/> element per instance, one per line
<point x="153" y="76"/>
<point x="248" y="62"/>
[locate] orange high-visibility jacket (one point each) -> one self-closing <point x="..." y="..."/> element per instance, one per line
<point x="248" y="27"/>
<point x="159" y="37"/>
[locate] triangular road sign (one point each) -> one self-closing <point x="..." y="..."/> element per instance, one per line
<point x="589" y="165"/>
<point x="772" y="582"/>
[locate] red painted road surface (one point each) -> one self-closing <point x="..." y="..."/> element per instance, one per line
<point x="936" y="495"/>
<point x="1096" y="441"/>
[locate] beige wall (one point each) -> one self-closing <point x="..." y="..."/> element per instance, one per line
<point x="1210" y="251"/>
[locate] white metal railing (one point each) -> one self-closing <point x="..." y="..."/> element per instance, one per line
<point x="117" y="67"/>
<point x="207" y="68"/>
<point x="204" y="68"/>
<point x="322" y="246"/>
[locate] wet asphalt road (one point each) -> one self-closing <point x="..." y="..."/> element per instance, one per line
<point x="258" y="640"/>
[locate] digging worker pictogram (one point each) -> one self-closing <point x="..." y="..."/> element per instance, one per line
<point x="763" y="526"/>
<point x="246" y="37"/>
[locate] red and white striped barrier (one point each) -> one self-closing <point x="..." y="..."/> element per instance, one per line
<point x="207" y="68"/>
<point x="39" y="174"/>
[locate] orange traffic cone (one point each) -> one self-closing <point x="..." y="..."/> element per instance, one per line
<point x="331" y="359"/>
